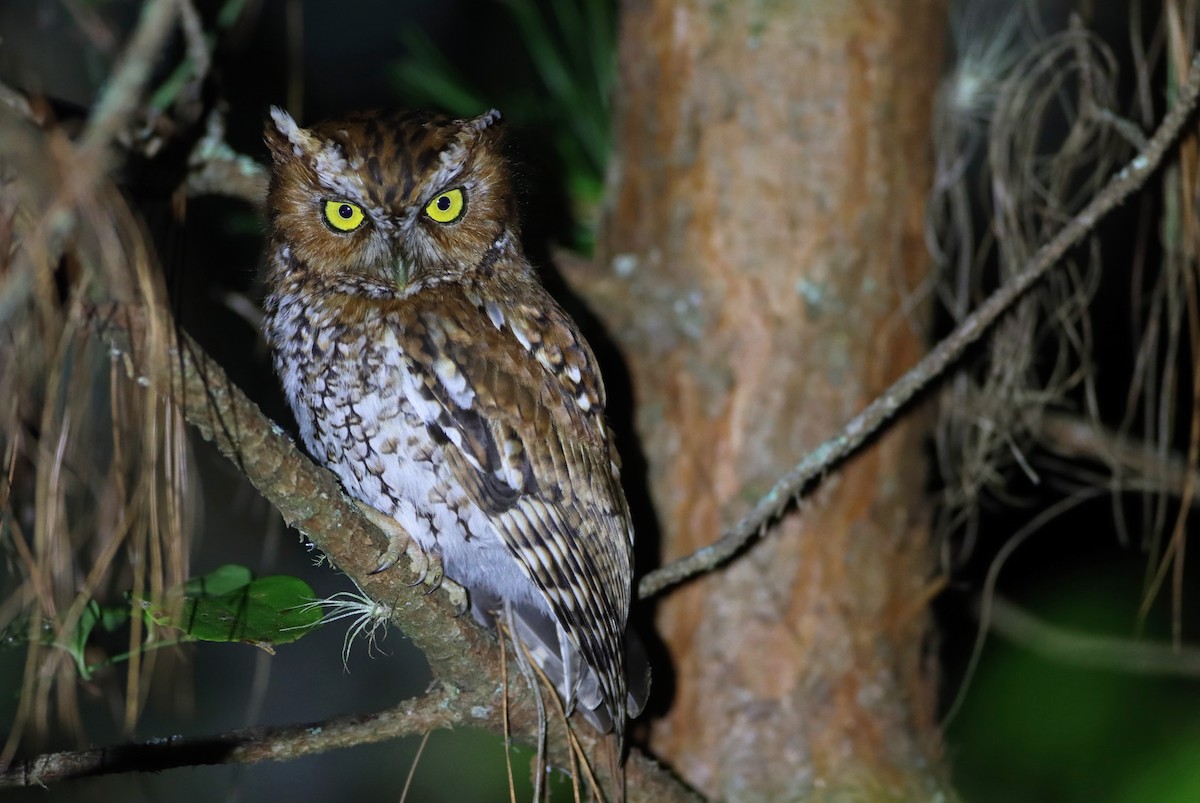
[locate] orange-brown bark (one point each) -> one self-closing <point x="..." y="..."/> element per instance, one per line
<point x="762" y="242"/>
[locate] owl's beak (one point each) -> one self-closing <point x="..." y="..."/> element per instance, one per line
<point x="401" y="272"/>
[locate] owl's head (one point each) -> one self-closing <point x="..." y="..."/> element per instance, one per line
<point x="407" y="199"/>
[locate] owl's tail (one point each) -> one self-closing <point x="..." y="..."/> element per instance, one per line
<point x="578" y="685"/>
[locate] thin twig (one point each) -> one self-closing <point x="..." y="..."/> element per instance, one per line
<point x="214" y="168"/>
<point x="126" y="86"/>
<point x="413" y="769"/>
<point x="1078" y="438"/>
<point x="872" y="419"/>
<point x="197" y="41"/>
<point x="1094" y="652"/>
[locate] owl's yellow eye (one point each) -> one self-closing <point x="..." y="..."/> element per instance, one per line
<point x="343" y="215"/>
<point x="447" y="207"/>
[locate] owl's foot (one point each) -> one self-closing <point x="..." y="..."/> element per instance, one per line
<point x="428" y="567"/>
<point x="429" y="572"/>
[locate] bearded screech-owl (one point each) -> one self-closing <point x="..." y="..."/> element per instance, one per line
<point x="431" y="371"/>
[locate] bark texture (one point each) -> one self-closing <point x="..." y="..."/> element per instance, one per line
<point x="758" y="264"/>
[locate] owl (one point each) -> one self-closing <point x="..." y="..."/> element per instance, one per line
<point x="431" y="371"/>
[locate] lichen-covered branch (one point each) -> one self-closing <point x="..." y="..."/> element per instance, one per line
<point x="463" y="657"/>
<point x="214" y="168"/>
<point x="309" y="497"/>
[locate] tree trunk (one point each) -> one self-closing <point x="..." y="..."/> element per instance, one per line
<point x="758" y="264"/>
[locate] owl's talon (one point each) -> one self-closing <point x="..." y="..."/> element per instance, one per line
<point x="400" y="543"/>
<point x="421" y="567"/>
<point x="391" y="555"/>
<point x="428" y="567"/>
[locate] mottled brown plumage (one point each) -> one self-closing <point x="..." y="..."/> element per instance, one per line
<point x="430" y="370"/>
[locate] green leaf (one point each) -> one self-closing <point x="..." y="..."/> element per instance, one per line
<point x="76" y="642"/>
<point x="432" y="79"/>
<point x="229" y="604"/>
<point x="224" y="580"/>
<point x="73" y="642"/>
<point x="93" y="615"/>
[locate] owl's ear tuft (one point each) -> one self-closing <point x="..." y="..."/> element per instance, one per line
<point x="488" y="119"/>
<point x="486" y="128"/>
<point x="285" y="138"/>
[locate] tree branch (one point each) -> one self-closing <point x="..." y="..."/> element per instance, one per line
<point x="214" y="168"/>
<point x="124" y="89"/>
<point x="217" y="169"/>
<point x="438" y="709"/>
<point x="1151" y="468"/>
<point x="462" y="655"/>
<point x="309" y="497"/>
<point x="1093" y="652"/>
<point x="873" y="418"/>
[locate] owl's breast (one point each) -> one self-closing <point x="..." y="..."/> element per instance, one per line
<point x="362" y="413"/>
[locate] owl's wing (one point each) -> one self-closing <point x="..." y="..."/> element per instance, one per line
<point x="519" y="411"/>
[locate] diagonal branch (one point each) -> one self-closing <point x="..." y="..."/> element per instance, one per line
<point x="308" y="496"/>
<point x="250" y="181"/>
<point x="463" y="657"/>
<point x="876" y="415"/>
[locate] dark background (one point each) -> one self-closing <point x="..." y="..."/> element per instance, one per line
<point x="1029" y="729"/>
